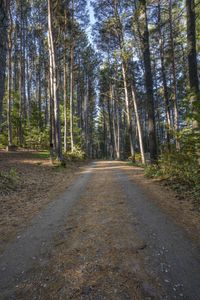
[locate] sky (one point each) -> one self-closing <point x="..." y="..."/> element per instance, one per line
<point x="91" y="12"/>
<point x="92" y="21"/>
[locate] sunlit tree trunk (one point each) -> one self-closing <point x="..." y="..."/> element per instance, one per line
<point x="138" y="123"/>
<point x="115" y="124"/>
<point x="176" y="116"/>
<point x="53" y="76"/>
<point x="125" y="79"/>
<point x="128" y="113"/>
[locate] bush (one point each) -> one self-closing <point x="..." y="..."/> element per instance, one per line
<point x="76" y="155"/>
<point x="153" y="171"/>
<point x="180" y="168"/>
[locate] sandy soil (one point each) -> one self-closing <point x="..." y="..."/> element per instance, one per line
<point x="37" y="184"/>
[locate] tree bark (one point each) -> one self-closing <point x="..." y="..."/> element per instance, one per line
<point x="53" y="75"/>
<point x="125" y="79"/>
<point x="176" y="116"/>
<point x="3" y="47"/>
<point x="128" y="113"/>
<point x="10" y="31"/>
<point x="148" y="83"/>
<point x="164" y="80"/>
<point x="192" y="56"/>
<point x="65" y="87"/>
<point x="71" y="96"/>
<point x="138" y="123"/>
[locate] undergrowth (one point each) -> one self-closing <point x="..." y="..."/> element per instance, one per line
<point x="181" y="171"/>
<point x="76" y="155"/>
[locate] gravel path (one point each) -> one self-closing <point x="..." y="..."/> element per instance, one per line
<point x="169" y="256"/>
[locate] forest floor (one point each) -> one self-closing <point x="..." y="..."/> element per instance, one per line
<point x="113" y="234"/>
<point x="31" y="183"/>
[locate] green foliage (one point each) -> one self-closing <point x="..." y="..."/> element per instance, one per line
<point x="36" y="138"/>
<point x="181" y="168"/>
<point x="136" y="160"/>
<point x="3" y="140"/>
<point x="153" y="171"/>
<point x="76" y="155"/>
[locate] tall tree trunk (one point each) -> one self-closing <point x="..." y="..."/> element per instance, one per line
<point x="65" y="103"/>
<point x="110" y="113"/>
<point x="115" y="124"/>
<point x="148" y="83"/>
<point x="51" y="136"/>
<point x="28" y="86"/>
<point x="164" y="80"/>
<point x="85" y="116"/>
<point x="39" y="85"/>
<point x="71" y="95"/>
<point x="21" y="79"/>
<point x="3" y="47"/>
<point x="120" y="34"/>
<point x="138" y="123"/>
<point x="128" y="112"/>
<point x="176" y="116"/>
<point x="65" y="86"/>
<point x="10" y="31"/>
<point x="72" y="78"/>
<point x="192" y="55"/>
<point x="53" y="75"/>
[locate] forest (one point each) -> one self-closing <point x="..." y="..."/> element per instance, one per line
<point x="112" y="79"/>
<point x="99" y="149"/>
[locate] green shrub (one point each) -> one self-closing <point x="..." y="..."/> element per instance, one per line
<point x="153" y="171"/>
<point x="76" y="155"/>
<point x="181" y="168"/>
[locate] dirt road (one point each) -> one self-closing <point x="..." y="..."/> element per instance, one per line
<point x="104" y="238"/>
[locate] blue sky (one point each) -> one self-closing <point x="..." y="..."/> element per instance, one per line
<point x="91" y="12"/>
<point x="92" y="21"/>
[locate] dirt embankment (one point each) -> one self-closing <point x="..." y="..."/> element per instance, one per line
<point x="33" y="182"/>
